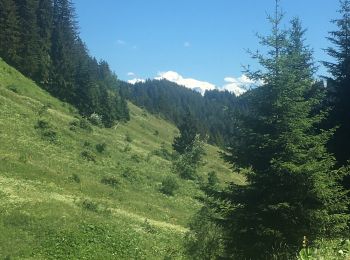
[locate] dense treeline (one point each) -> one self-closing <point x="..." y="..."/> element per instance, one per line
<point x="294" y="193"/>
<point x="211" y="111"/>
<point x="40" y="38"/>
<point x="339" y="85"/>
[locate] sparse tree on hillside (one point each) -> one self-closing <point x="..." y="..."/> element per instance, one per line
<point x="188" y="131"/>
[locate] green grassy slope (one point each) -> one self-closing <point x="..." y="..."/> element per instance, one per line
<point x="60" y="198"/>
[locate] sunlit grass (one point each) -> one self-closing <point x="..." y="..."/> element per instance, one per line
<point x="53" y="202"/>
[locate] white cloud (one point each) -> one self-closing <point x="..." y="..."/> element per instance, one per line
<point x="187" y="44"/>
<point x="200" y="86"/>
<point x="238" y="85"/>
<point x="134" y="81"/>
<point x="121" y="42"/>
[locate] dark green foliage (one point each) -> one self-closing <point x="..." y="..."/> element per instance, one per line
<point x="43" y="109"/>
<point x="110" y="180"/>
<point x="75" y="178"/>
<point x="169" y="185"/>
<point x="90" y="205"/>
<point x="127" y="148"/>
<point x="213" y="179"/>
<point x="73" y="125"/>
<point x="95" y="207"/>
<point x="9" y="32"/>
<point x="188" y="148"/>
<point x="49" y="135"/>
<point x="29" y="52"/>
<point x="188" y="130"/>
<point x="129" y="174"/>
<point x="147" y="226"/>
<point x="136" y="158"/>
<point x="80" y="123"/>
<point x="128" y="138"/>
<point x="186" y="164"/>
<point x="13" y="88"/>
<point x="163" y="153"/>
<point x="339" y="85"/>
<point x="89" y="156"/>
<point x="95" y="119"/>
<point x="42" y="124"/>
<point x="184" y="167"/>
<point x="100" y="148"/>
<point x="171" y="101"/>
<point x="292" y="183"/>
<point x="40" y="38"/>
<point x="205" y="238"/>
<point x="46" y="131"/>
<point x="84" y="124"/>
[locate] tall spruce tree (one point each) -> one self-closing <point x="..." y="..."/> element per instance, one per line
<point x="292" y="185"/>
<point x="9" y="32"/>
<point x="339" y="84"/>
<point x="29" y="38"/>
<point x="44" y="22"/>
<point x="63" y="47"/>
<point x="188" y="131"/>
<point x="40" y="38"/>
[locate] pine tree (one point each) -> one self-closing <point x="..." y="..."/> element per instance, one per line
<point x="63" y="47"/>
<point x="188" y="131"/>
<point x="339" y="84"/>
<point x="44" y="22"/>
<point x="292" y="188"/>
<point x="9" y="32"/>
<point x="29" y="37"/>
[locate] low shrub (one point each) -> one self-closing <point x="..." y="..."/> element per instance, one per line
<point x="95" y="207"/>
<point x="90" y="205"/>
<point x="85" y="124"/>
<point x="13" y="88"/>
<point x="128" y="138"/>
<point x="89" y="156"/>
<point x="42" y="110"/>
<point x="81" y="124"/>
<point x="213" y="179"/>
<point x="42" y="125"/>
<point x="129" y="174"/>
<point x="46" y="131"/>
<point x="337" y="249"/>
<point x="136" y="158"/>
<point x="163" y="153"/>
<point x="205" y="240"/>
<point x="169" y="186"/>
<point x="74" y="178"/>
<point x="96" y="119"/>
<point x="148" y="227"/>
<point x="50" y="135"/>
<point x="101" y="147"/>
<point x="24" y="157"/>
<point x="110" y="180"/>
<point x="127" y="148"/>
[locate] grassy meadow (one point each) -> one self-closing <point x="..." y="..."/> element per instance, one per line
<point x="70" y="190"/>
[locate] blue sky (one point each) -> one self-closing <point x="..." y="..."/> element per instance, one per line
<point x="195" y="39"/>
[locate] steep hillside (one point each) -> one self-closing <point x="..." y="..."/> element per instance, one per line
<point x="70" y="190"/>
